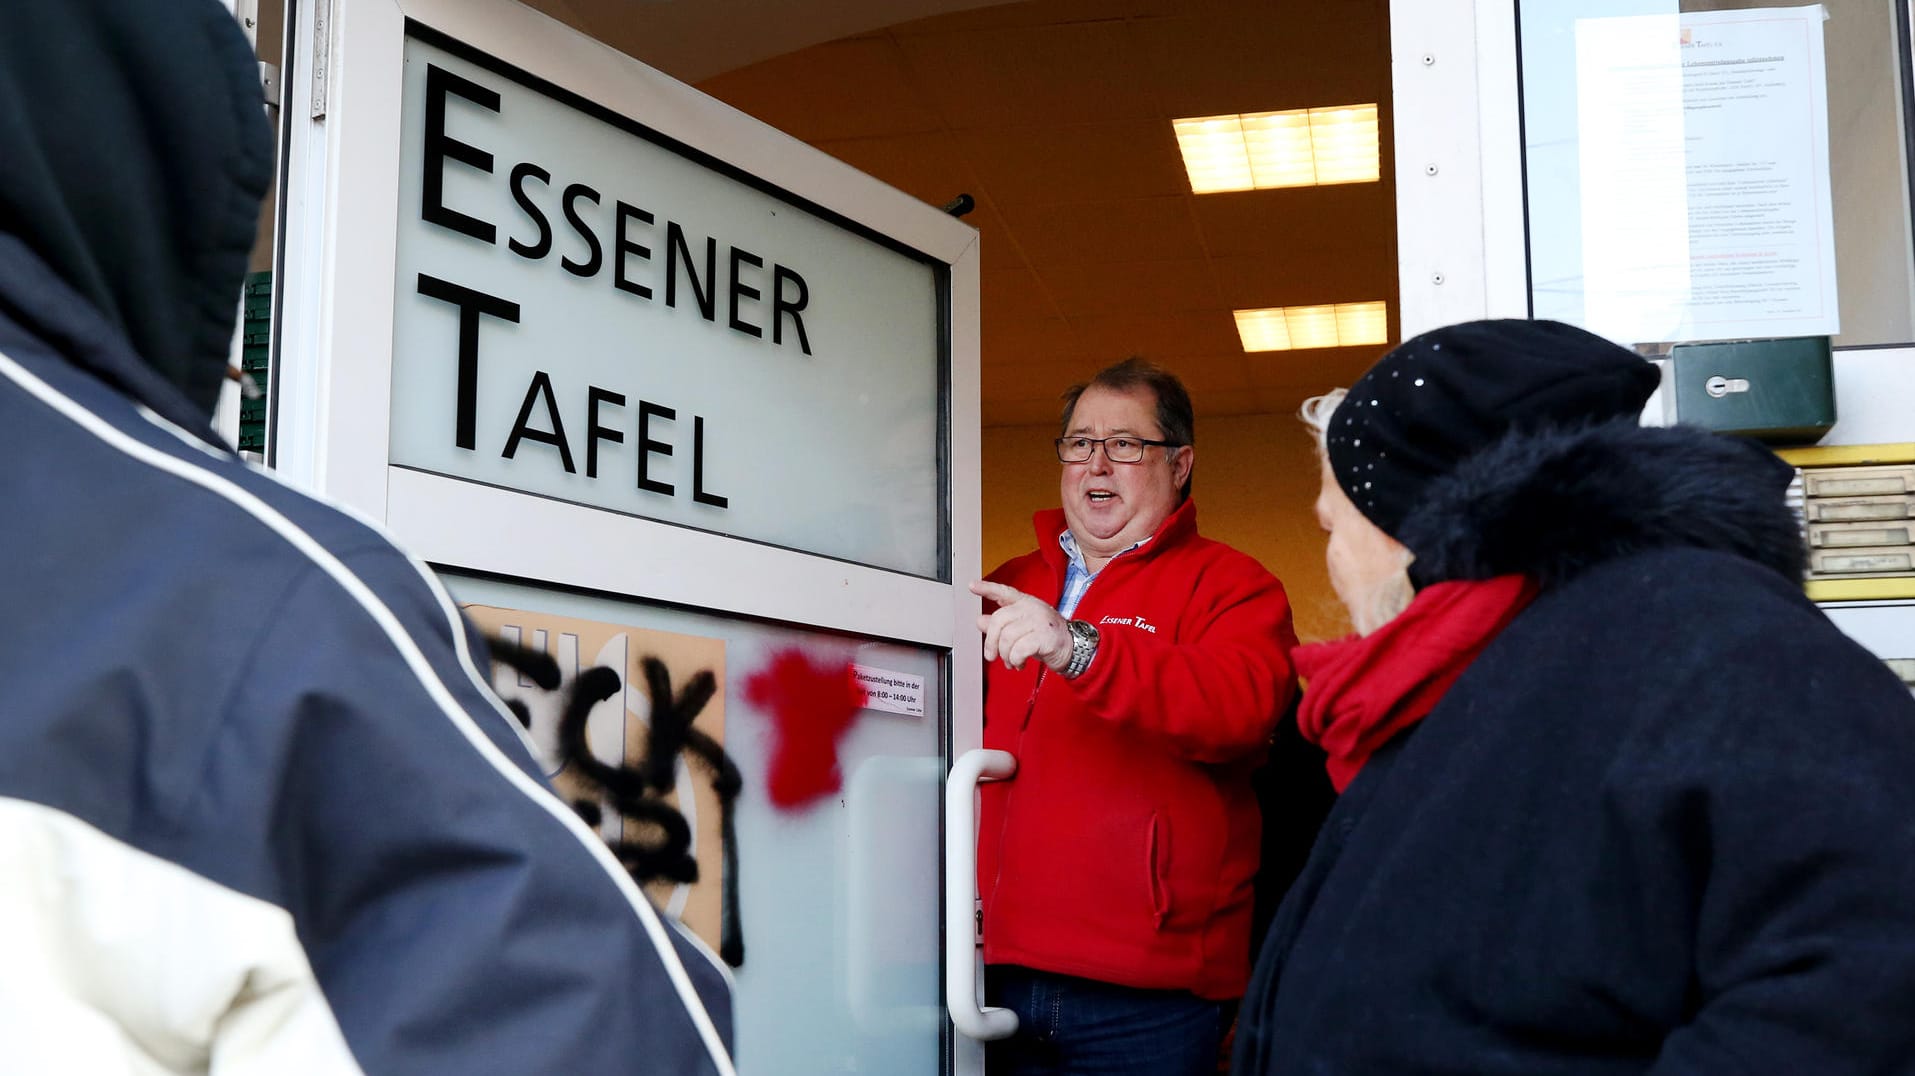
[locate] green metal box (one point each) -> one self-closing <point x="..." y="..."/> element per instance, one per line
<point x="1780" y="391"/>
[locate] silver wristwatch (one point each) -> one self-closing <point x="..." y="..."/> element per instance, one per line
<point x="1083" y="647"/>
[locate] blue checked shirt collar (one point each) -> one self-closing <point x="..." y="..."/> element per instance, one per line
<point x="1077" y="575"/>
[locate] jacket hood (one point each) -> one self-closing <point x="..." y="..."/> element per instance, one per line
<point x="134" y="154"/>
<point x="1554" y="503"/>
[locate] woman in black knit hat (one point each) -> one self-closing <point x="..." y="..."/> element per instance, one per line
<point x="1616" y="798"/>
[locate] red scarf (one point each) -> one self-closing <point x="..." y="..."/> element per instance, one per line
<point x="1363" y="690"/>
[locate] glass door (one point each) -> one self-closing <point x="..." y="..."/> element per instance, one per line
<point x="690" y="408"/>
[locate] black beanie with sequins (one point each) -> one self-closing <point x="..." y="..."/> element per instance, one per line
<point x="1451" y="392"/>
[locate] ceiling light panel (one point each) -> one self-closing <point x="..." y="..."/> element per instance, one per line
<point x="1281" y="328"/>
<point x="1312" y="326"/>
<point x="1263" y="330"/>
<point x="1214" y="155"/>
<point x="1297" y="148"/>
<point x="1277" y="149"/>
<point x="1362" y="323"/>
<point x="1344" y="142"/>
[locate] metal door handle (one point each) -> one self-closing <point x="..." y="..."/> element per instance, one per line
<point x="960" y="895"/>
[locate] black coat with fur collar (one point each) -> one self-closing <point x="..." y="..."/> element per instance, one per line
<point x="1664" y="824"/>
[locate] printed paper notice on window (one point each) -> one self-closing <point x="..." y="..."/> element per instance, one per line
<point x="892" y="692"/>
<point x="1704" y="150"/>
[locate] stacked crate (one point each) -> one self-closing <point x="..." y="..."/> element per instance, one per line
<point x="255" y="355"/>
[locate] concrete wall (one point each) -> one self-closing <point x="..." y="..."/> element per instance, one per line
<point x="1256" y="479"/>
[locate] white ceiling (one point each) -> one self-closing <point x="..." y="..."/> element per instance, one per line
<point x="1055" y="115"/>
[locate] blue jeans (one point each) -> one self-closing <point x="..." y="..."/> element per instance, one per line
<point x="1067" y="1025"/>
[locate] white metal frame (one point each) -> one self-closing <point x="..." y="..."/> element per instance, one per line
<point x="335" y="331"/>
<point x="1886" y="628"/>
<point x="1459" y="174"/>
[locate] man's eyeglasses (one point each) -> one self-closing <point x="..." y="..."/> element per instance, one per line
<point x="1116" y="449"/>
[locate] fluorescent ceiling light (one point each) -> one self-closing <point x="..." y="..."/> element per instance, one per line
<point x="1298" y="148"/>
<point x="1290" y="328"/>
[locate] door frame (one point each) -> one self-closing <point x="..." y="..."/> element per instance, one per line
<point x="333" y="344"/>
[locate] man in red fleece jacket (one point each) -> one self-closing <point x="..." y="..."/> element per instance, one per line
<point x="1136" y="670"/>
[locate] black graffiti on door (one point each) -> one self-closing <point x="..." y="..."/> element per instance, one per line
<point x="661" y="852"/>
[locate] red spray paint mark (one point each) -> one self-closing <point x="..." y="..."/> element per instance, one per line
<point x="810" y="707"/>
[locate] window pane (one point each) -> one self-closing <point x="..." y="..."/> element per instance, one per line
<point x="1714" y="170"/>
<point x="838" y="898"/>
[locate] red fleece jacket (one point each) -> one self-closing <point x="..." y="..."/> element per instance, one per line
<point x="1124" y="848"/>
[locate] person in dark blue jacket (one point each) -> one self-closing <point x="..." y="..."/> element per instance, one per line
<point x="258" y="811"/>
<point x="1616" y="797"/>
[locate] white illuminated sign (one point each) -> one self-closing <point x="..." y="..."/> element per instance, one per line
<point x="587" y="313"/>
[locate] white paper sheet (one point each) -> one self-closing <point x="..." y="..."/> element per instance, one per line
<point x="1705" y="176"/>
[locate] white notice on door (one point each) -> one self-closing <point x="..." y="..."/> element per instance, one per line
<point x="892" y="692"/>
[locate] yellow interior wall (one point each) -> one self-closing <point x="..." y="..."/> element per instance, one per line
<point x="1256" y="478"/>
